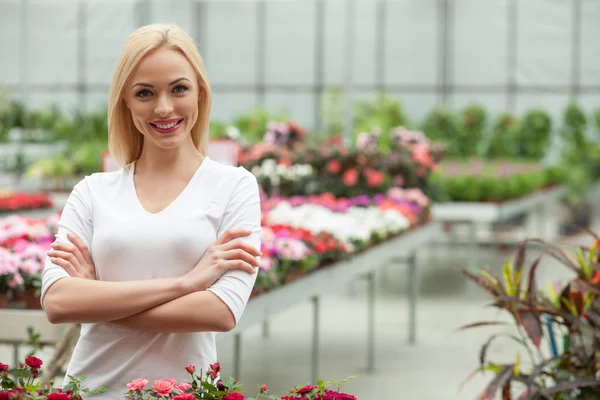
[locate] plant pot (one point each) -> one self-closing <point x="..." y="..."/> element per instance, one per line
<point x="3" y="300"/>
<point x="32" y="301"/>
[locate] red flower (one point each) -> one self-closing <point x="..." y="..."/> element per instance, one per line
<point x="58" y="396"/>
<point x="191" y="369"/>
<point x="3" y="367"/>
<point x="334" y="166"/>
<point x="33" y="362"/>
<point x="350" y="177"/>
<point x="263" y="388"/>
<point x="374" y="178"/>
<point x="595" y="280"/>
<point x="187" y="396"/>
<point x="305" y="389"/>
<point x="234" y="396"/>
<point x="320" y="247"/>
<point x="215" y="367"/>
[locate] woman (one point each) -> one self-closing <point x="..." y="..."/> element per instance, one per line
<point x="161" y="254"/>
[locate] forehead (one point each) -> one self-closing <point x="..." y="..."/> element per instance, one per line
<point x="163" y="65"/>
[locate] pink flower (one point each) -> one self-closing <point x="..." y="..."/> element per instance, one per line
<point x="137" y="384"/>
<point x="191" y="369"/>
<point x="164" y="387"/>
<point x="187" y="396"/>
<point x="234" y="396"/>
<point x="183" y="387"/>
<point x="215" y="367"/>
<point x="263" y="388"/>
<point x="266" y="263"/>
<point x="291" y="248"/>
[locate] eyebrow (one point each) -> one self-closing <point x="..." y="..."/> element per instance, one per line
<point x="151" y="86"/>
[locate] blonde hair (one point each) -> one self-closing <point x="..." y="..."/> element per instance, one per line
<point x="124" y="140"/>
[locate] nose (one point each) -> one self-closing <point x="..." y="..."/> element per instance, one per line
<point x="164" y="106"/>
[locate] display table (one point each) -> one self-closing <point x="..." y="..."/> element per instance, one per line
<point x="474" y="214"/>
<point x="312" y="287"/>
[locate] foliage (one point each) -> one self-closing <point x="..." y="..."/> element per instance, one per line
<point x="504" y="138"/>
<point x="481" y="181"/>
<point x="572" y="312"/>
<point x="24" y="385"/>
<point x="444" y="126"/>
<point x="580" y="155"/>
<point x="382" y="112"/>
<point x="535" y="134"/>
<point x="253" y="124"/>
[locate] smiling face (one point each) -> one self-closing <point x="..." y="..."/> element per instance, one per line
<point x="162" y="94"/>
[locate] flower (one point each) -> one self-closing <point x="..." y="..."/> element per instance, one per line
<point x="164" y="387"/>
<point x="3" y="367"/>
<point x="234" y="396"/>
<point x="334" y="166"/>
<point x="350" y="177"/>
<point x="263" y="388"/>
<point x="58" y="396"/>
<point x="191" y="369"/>
<point x="33" y="362"/>
<point x="306" y="389"/>
<point x="183" y="387"/>
<point x="187" y="396"/>
<point x="137" y="384"/>
<point x="216" y="367"/>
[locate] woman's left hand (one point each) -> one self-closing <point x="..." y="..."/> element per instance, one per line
<point x="74" y="257"/>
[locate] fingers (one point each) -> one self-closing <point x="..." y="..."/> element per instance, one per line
<point x="65" y="251"/>
<point x="85" y="252"/>
<point x="238" y="264"/>
<point x="232" y="234"/>
<point x="239" y="244"/>
<point x="239" y="254"/>
<point x="71" y="270"/>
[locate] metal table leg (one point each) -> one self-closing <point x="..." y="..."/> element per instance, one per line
<point x="314" y="374"/>
<point x="265" y="329"/>
<point x="237" y="347"/>
<point x="540" y="214"/>
<point x="414" y="286"/>
<point x="472" y="244"/>
<point x="370" y="322"/>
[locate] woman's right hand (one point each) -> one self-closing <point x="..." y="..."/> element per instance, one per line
<point x="224" y="255"/>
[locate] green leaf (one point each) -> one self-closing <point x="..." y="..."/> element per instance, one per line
<point x="100" y="390"/>
<point x="8" y="383"/>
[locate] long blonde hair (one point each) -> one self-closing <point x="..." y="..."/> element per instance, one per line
<point x="124" y="140"/>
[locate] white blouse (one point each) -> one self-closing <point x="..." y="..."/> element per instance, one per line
<point x="128" y="243"/>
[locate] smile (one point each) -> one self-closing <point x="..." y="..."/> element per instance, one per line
<point x="167" y="126"/>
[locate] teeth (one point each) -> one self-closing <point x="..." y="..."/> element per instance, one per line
<point x="168" y="126"/>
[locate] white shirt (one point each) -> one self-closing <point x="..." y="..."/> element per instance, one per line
<point x="128" y="243"/>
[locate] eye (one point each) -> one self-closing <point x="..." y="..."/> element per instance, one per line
<point x="180" y="89"/>
<point x="143" y="93"/>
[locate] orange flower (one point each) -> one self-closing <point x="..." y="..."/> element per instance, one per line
<point x="596" y="278"/>
<point x="334" y="166"/>
<point x="350" y="177"/>
<point x="374" y="178"/>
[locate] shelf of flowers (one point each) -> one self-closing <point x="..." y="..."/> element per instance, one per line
<point x="493" y="191"/>
<point x="299" y="235"/>
<point x="11" y="202"/>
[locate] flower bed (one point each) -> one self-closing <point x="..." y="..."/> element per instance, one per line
<point x="24" y="243"/>
<point x="24" y="384"/>
<point x="14" y="201"/>
<point x="481" y="181"/>
<point x="291" y="167"/>
<point x="299" y="234"/>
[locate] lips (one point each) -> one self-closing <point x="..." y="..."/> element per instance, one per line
<point x="166" y="126"/>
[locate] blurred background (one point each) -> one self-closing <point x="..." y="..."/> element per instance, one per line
<point x="506" y="92"/>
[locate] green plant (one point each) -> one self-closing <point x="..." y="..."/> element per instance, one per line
<point x="572" y="313"/>
<point x="504" y="139"/>
<point x="444" y="126"/>
<point x="473" y="125"/>
<point x="381" y="112"/>
<point x="535" y="134"/>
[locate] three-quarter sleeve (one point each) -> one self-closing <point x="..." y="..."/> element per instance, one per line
<point x="76" y="218"/>
<point x="242" y="212"/>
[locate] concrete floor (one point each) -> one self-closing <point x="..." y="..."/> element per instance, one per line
<point x="431" y="369"/>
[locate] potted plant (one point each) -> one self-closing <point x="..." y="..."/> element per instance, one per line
<point x="567" y="319"/>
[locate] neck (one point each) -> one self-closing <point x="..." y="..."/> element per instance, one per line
<point x="159" y="161"/>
